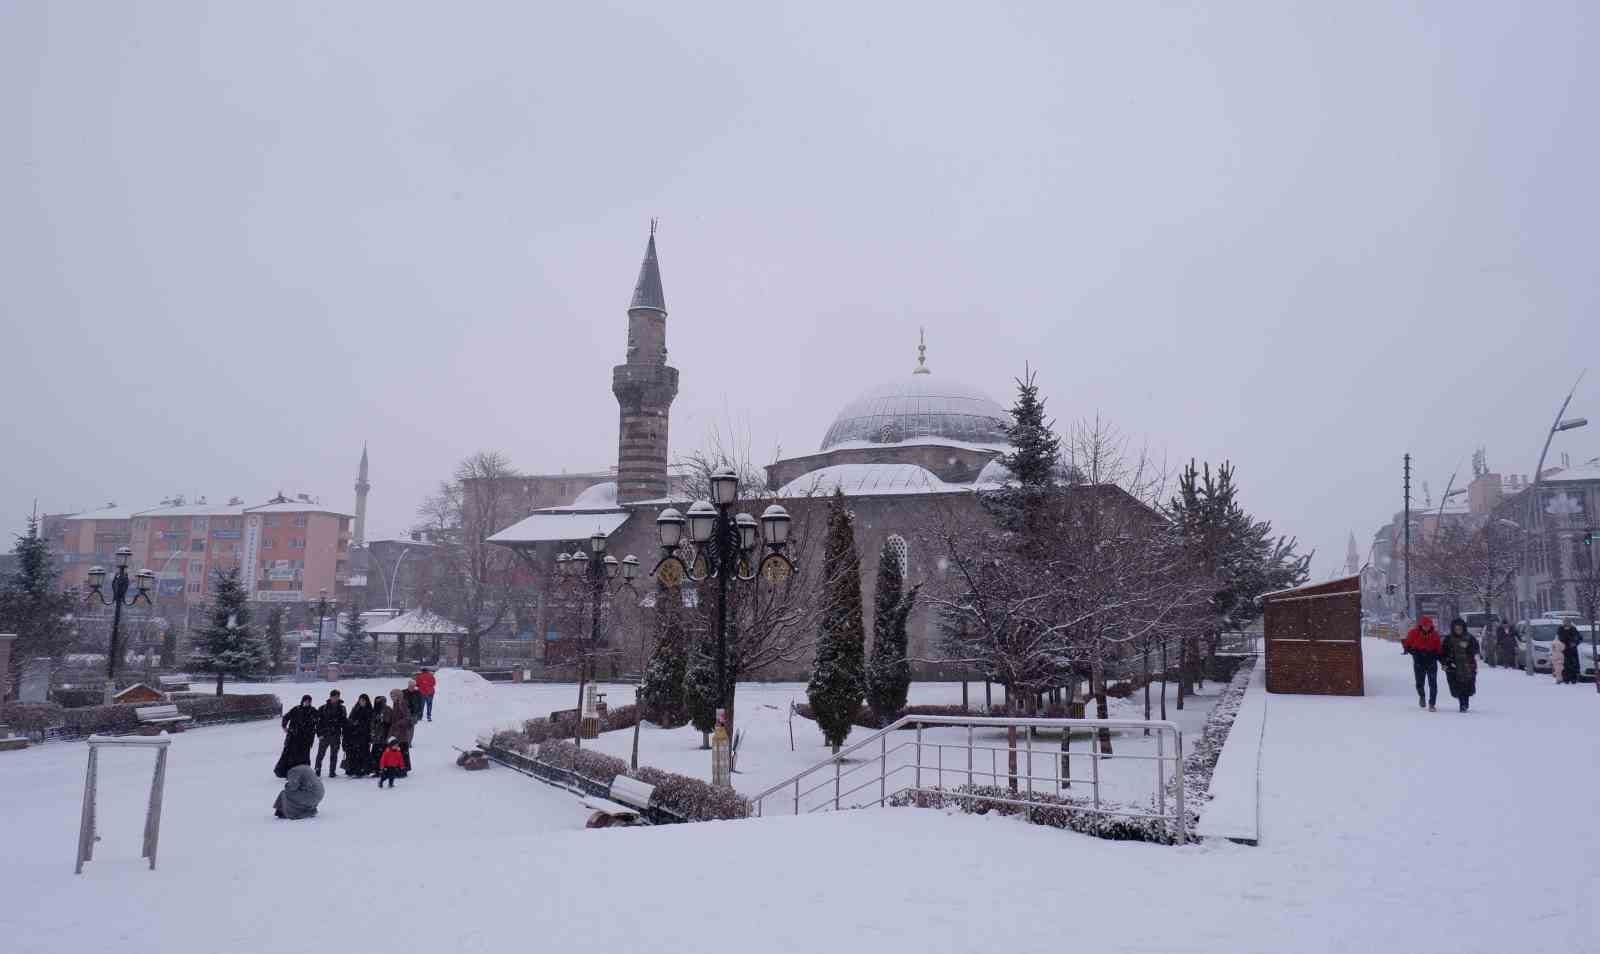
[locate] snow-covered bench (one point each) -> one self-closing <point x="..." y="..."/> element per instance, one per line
<point x="157" y="717"/>
<point x="629" y="798"/>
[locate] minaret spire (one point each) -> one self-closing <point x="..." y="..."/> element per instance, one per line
<point x="362" y="486"/>
<point x="645" y="386"/>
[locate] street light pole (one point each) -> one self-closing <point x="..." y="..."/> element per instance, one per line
<point x="119" y="598"/>
<point x="322" y="615"/>
<point x="593" y="576"/>
<point x="1533" y="504"/>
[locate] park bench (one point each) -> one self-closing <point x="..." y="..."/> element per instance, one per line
<point x="157" y="717"/>
<point x="630" y="798"/>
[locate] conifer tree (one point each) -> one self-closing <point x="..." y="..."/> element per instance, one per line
<point x="274" y="638"/>
<point x="700" y="685"/>
<point x="662" y="694"/>
<point x="1035" y="446"/>
<point x="352" y="646"/>
<point x="837" y="675"/>
<point x="31" y="603"/>
<point x="228" y="644"/>
<point x="888" y="673"/>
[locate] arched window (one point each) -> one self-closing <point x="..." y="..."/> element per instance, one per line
<point x="897" y="544"/>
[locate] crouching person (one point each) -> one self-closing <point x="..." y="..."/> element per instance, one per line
<point x="301" y="794"/>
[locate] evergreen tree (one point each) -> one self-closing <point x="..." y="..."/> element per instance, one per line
<point x="837" y="672"/>
<point x="31" y="603"/>
<point x="889" y="674"/>
<point x="1035" y="447"/>
<point x="229" y="646"/>
<point x="275" y="637"/>
<point x="352" y="646"/>
<point x="662" y="694"/>
<point x="700" y="684"/>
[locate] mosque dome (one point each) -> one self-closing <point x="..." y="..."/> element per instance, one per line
<point x="856" y="479"/>
<point x="919" y="408"/>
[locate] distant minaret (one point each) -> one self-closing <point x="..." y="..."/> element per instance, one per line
<point x="361" y="499"/>
<point x="1352" y="557"/>
<point x="645" y="387"/>
<point x="922" y="352"/>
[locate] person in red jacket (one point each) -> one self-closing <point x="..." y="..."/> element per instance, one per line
<point x="1426" y="648"/>
<point x="426" y="683"/>
<point x="391" y="764"/>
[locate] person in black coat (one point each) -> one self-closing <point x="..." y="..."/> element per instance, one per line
<point x="358" y="738"/>
<point x="1570" y="639"/>
<point x="300" y="730"/>
<point x="330" y="732"/>
<point x="379" y="734"/>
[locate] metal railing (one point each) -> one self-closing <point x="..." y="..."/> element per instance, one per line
<point x="912" y="762"/>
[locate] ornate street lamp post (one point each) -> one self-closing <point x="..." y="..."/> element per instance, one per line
<point x="119" y="598"/>
<point x="594" y="576"/>
<point x="722" y="546"/>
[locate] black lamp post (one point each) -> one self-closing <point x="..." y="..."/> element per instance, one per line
<point x="595" y="575"/>
<point x="722" y="546"/>
<point x="119" y="598"/>
<point x="322" y="614"/>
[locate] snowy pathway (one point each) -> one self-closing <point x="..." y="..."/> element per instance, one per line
<point x="1384" y="829"/>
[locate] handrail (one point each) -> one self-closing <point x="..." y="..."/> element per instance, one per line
<point x="791" y="787"/>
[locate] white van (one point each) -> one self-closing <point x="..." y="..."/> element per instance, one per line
<point x="1543" y="631"/>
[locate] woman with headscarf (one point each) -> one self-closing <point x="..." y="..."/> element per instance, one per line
<point x="1460" y="654"/>
<point x="299" y="731"/>
<point x="380" y="730"/>
<point x="358" y="737"/>
<point x="401" y="725"/>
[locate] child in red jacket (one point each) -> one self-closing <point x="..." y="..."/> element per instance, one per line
<point x="390" y="764"/>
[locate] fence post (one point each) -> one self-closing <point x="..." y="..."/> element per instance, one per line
<point x="919" y="756"/>
<point x="835" y="783"/>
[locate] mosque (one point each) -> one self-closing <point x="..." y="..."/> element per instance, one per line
<point x="899" y="451"/>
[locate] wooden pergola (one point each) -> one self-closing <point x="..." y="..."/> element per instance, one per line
<point x="420" y="624"/>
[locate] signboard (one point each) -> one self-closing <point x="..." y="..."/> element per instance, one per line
<point x="280" y="570"/>
<point x="224" y="534"/>
<point x="277" y="596"/>
<point x="170" y="587"/>
<point x="252" y="548"/>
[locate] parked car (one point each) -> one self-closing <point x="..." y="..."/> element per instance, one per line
<point x="1544" y="631"/>
<point x="1480" y="623"/>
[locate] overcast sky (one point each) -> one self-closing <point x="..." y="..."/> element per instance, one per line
<point x="241" y="239"/>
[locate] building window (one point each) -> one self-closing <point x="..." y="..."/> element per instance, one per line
<point x="197" y="545"/>
<point x="195" y="566"/>
<point x="297" y="543"/>
<point x="300" y="520"/>
<point x="268" y="543"/>
<point x="194" y="587"/>
<point x="271" y="520"/>
<point x="897" y="545"/>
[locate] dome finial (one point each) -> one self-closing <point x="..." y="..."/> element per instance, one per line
<point x="922" y="352"/>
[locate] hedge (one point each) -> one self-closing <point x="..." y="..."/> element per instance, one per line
<point x="865" y="718"/>
<point x="1049" y="810"/>
<point x="688" y="798"/>
<point x="31" y="717"/>
<point x="548" y="728"/>
<point x="230" y="708"/>
<point x="38" y="718"/>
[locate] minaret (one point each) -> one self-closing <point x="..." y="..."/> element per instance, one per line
<point x="645" y="387"/>
<point x="1352" y="558"/>
<point x="361" y="499"/>
<point x="922" y="352"/>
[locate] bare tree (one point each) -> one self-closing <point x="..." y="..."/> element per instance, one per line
<point x="1473" y="563"/>
<point x="475" y="587"/>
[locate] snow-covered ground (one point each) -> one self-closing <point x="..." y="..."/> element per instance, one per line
<point x="1384" y="829"/>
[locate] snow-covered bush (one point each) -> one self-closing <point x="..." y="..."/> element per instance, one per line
<point x="1049" y="810"/>
<point x="101" y="720"/>
<point x="1201" y="761"/>
<point x="230" y="708"/>
<point x="31" y="717"/>
<point x="687" y="798"/>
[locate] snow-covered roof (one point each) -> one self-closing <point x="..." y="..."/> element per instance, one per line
<point x="415" y="623"/>
<point x="194" y="510"/>
<point x="104" y="513"/>
<point x="297" y="506"/>
<point x="860" y="479"/>
<point x="557" y="526"/>
<point x="601" y="496"/>
<point x="1588" y="470"/>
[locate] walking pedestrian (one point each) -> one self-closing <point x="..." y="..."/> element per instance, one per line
<point x="413" y="696"/>
<point x="299" y="731"/>
<point x="330" y="732"/>
<point x="1570" y="641"/>
<point x="358" y="738"/>
<point x="427" y="683"/>
<point x="1423" y="645"/>
<point x="391" y="764"/>
<point x="380" y="729"/>
<point x="1507" y="645"/>
<point x="301" y="794"/>
<point x="401" y="726"/>
<point x="1461" y="662"/>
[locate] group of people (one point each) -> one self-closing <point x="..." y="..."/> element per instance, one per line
<point x="1457" y="652"/>
<point x="1564" y="665"/>
<point x="375" y="736"/>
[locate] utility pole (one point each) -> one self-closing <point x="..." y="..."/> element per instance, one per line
<point x="1406" y="551"/>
